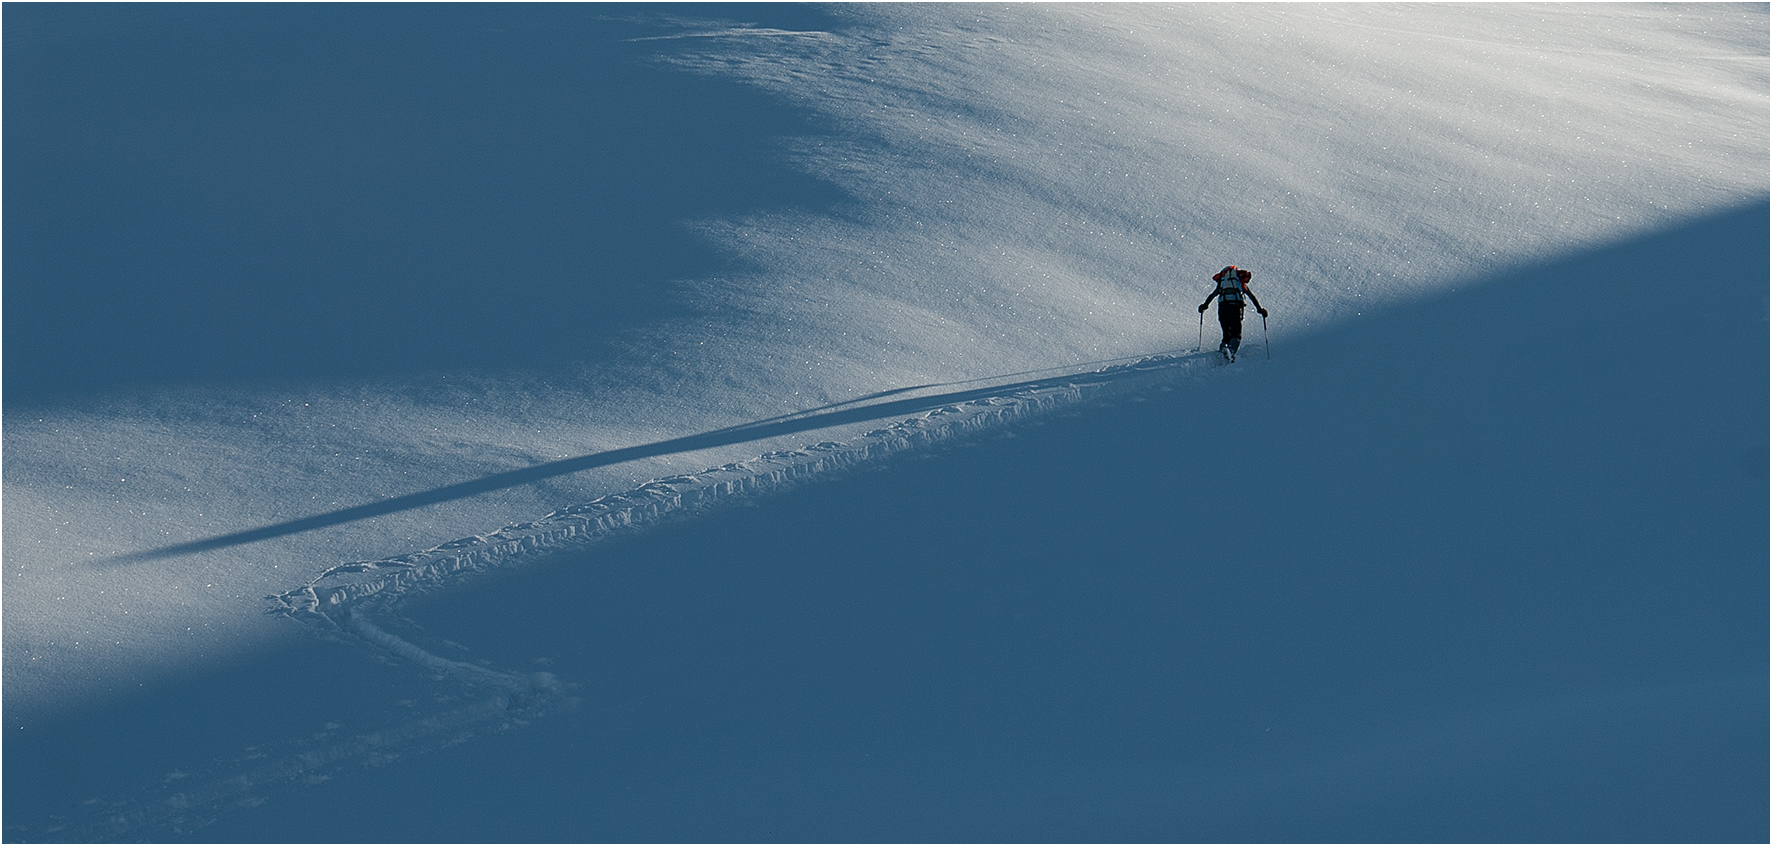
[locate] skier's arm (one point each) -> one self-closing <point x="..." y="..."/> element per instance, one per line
<point x="1252" y="299"/>
<point x="1209" y="298"/>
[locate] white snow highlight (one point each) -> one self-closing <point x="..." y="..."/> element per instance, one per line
<point x="1026" y="187"/>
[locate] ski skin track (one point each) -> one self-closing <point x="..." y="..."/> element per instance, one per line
<point x="322" y="601"/>
<point x="349" y="601"/>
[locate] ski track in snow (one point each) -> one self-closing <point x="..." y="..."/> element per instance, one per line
<point x="1038" y="167"/>
<point x="358" y="601"/>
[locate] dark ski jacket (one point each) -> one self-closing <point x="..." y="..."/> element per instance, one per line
<point x="1233" y="293"/>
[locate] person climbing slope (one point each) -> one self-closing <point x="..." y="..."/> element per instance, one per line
<point x="1232" y="290"/>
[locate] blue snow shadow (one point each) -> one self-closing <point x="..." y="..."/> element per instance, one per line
<point x="1486" y="568"/>
<point x="1489" y="568"/>
<point x="283" y="193"/>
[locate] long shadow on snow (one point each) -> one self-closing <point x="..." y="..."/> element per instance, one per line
<point x="835" y="414"/>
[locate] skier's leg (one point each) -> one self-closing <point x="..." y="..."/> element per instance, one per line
<point x="1230" y="321"/>
<point x="1230" y="318"/>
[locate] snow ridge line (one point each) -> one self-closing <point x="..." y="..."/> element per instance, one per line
<point x="337" y="599"/>
<point x="328" y="601"/>
<point x="346" y="599"/>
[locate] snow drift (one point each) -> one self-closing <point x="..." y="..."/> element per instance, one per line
<point x="897" y="196"/>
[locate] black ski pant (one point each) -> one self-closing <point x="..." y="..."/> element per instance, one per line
<point x="1230" y="319"/>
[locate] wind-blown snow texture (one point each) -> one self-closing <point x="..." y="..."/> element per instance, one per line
<point x="331" y="312"/>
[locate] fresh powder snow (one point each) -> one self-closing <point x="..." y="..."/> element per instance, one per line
<point x="793" y="423"/>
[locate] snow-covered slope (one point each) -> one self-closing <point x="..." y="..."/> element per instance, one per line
<point x="1460" y="574"/>
<point x="1455" y="558"/>
<point x="443" y="310"/>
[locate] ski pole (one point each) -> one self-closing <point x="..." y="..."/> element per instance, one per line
<point x="1264" y="341"/>
<point x="1200" y="341"/>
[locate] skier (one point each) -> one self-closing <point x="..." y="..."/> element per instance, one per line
<point x="1233" y="286"/>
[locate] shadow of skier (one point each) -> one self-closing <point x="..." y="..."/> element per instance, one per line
<point x="857" y="410"/>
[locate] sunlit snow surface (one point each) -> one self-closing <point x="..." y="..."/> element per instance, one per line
<point x="366" y="254"/>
